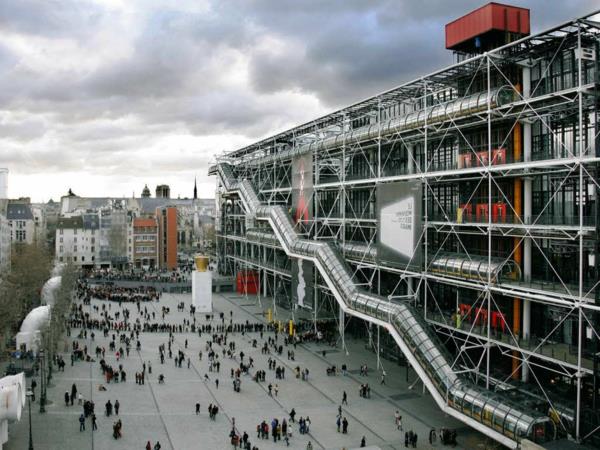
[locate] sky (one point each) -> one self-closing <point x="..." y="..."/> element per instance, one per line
<point x="106" y="96"/>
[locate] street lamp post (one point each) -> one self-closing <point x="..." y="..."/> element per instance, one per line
<point x="43" y="382"/>
<point x="29" y="394"/>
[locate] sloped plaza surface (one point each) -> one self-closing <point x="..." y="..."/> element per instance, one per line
<point x="165" y="412"/>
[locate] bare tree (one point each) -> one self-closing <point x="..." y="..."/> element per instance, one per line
<point x="21" y="287"/>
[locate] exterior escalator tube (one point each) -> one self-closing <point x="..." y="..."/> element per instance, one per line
<point x="453" y="392"/>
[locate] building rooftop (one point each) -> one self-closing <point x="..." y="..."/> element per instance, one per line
<point x="144" y="222"/>
<point x="70" y="222"/>
<point x="19" y="211"/>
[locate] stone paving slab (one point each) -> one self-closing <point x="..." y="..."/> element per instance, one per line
<point x="165" y="412"/>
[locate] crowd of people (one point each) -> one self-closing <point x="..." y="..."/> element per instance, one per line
<point x="182" y="274"/>
<point x="86" y="291"/>
<point x="122" y="324"/>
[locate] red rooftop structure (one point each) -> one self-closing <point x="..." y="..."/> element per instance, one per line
<point x="487" y="27"/>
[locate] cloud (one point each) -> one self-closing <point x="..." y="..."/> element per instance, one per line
<point x="105" y="95"/>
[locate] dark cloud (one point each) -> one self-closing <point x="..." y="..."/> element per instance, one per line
<point x="163" y="86"/>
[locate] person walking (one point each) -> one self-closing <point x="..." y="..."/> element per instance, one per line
<point x="363" y="442"/>
<point x="345" y="399"/>
<point x="383" y="374"/>
<point x="66" y="398"/>
<point x="345" y="426"/>
<point x="197" y="408"/>
<point x="338" y="423"/>
<point x="33" y="386"/>
<point x="148" y="446"/>
<point x="117" y="406"/>
<point x="398" y="419"/>
<point x="217" y="383"/>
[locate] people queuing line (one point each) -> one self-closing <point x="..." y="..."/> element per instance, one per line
<point x="113" y="293"/>
<point x="143" y="275"/>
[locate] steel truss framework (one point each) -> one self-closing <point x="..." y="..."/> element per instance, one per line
<point x="510" y="175"/>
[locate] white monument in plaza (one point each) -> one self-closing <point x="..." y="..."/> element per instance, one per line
<point x="202" y="285"/>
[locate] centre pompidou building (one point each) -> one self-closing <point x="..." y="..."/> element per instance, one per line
<point x="451" y="222"/>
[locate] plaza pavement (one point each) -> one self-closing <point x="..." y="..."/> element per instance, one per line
<point x="166" y="412"/>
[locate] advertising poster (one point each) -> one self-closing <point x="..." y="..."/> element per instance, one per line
<point x="302" y="213"/>
<point x="399" y="223"/>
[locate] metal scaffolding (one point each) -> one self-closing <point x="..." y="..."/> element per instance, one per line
<point x="506" y="148"/>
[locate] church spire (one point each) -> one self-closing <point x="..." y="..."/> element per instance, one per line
<point x="195" y="190"/>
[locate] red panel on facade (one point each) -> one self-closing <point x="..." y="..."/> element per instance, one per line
<point x="493" y="16"/>
<point x="247" y="282"/>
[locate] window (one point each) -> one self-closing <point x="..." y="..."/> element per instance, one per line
<point x="74" y="258"/>
<point x="61" y="239"/>
<point x="74" y="239"/>
<point x="93" y="249"/>
<point x="93" y="258"/>
<point x="74" y="248"/>
<point x="75" y="231"/>
<point x="93" y="239"/>
<point x="60" y="258"/>
<point x="82" y="258"/>
<point x="61" y="249"/>
<point x="60" y="232"/>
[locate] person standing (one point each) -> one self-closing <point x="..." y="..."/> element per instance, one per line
<point x="363" y="442"/>
<point x="73" y="393"/>
<point x="94" y="424"/>
<point x="197" y="408"/>
<point x="82" y="422"/>
<point x="345" y="426"/>
<point x="33" y="386"/>
<point x="117" y="406"/>
<point x="383" y="374"/>
<point x="217" y="383"/>
<point x="148" y="446"/>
